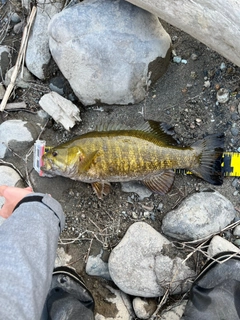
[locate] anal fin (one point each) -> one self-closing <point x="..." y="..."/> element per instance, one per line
<point x="160" y="183"/>
<point x="101" y="188"/>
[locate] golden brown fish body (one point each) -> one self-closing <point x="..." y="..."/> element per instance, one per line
<point x="147" y="154"/>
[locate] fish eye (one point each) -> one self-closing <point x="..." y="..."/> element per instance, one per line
<point x="54" y="153"/>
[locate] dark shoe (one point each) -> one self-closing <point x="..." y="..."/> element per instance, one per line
<point x="68" y="297"/>
<point x="215" y="294"/>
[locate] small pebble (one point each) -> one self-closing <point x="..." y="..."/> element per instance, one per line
<point x="223" y="66"/>
<point x="15" y="18"/>
<point x="236" y="231"/>
<point x="237" y="242"/>
<point x="184" y="61"/>
<point x="235" y="116"/>
<point x="177" y="59"/>
<point x="222" y="95"/>
<point x="134" y="215"/>
<point x="194" y="56"/>
<point x="207" y="84"/>
<point x="193" y="75"/>
<point x="234" y="131"/>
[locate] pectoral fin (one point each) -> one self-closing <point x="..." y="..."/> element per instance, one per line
<point x="101" y="188"/>
<point x="86" y="161"/>
<point x="160" y="183"/>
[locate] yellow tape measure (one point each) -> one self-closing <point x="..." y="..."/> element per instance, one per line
<point x="230" y="165"/>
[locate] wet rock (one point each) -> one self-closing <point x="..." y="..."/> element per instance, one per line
<point x="219" y="244"/>
<point x="144" y="308"/>
<point x="23" y="79"/>
<point x="37" y="53"/>
<point x="136" y="187"/>
<point x="108" y="58"/>
<point x="17" y="135"/>
<point x="4" y="61"/>
<point x="122" y="305"/>
<point x="97" y="267"/>
<point x="143" y="254"/>
<point x="199" y="216"/>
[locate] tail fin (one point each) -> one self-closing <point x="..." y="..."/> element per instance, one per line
<point x="210" y="151"/>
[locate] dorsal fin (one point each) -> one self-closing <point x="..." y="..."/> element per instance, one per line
<point x="158" y="130"/>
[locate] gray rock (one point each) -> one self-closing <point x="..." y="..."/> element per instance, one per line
<point x="4" y="61"/>
<point x="143" y="308"/>
<point x="138" y="263"/>
<point x="22" y="81"/>
<point x="105" y="49"/>
<point x="37" y="53"/>
<point x="97" y="267"/>
<point x="236" y="231"/>
<point x="17" y="134"/>
<point x="136" y="187"/>
<point x="2" y="91"/>
<point x="199" y="216"/>
<point x="219" y="244"/>
<point x="15" y="18"/>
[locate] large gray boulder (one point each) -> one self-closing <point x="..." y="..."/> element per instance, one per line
<point x="106" y="49"/>
<point x="215" y="23"/>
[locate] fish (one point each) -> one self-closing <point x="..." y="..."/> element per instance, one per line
<point x="147" y="153"/>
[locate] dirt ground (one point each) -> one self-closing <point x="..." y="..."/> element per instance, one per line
<point x="178" y="98"/>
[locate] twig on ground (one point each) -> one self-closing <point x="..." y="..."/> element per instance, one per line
<point x="20" y="57"/>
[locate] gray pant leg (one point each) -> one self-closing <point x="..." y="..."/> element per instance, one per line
<point x="28" y="243"/>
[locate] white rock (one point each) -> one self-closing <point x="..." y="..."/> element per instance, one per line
<point x="122" y="303"/>
<point x="23" y="79"/>
<point x="142" y="308"/>
<point x="16" y="132"/>
<point x="199" y="216"/>
<point x="62" y="258"/>
<point x="37" y="53"/>
<point x="215" y="23"/>
<point x="174" y="312"/>
<point x="107" y="57"/>
<point x="222" y="95"/>
<point x="137" y="264"/>
<point x="61" y="109"/>
<point x="218" y="244"/>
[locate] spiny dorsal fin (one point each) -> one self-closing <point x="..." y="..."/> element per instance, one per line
<point x="158" y="130"/>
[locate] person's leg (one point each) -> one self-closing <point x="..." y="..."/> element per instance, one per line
<point x="68" y="297"/>
<point x="215" y="293"/>
<point x="28" y="243"/>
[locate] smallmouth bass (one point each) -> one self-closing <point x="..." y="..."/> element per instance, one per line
<point x="145" y="153"/>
